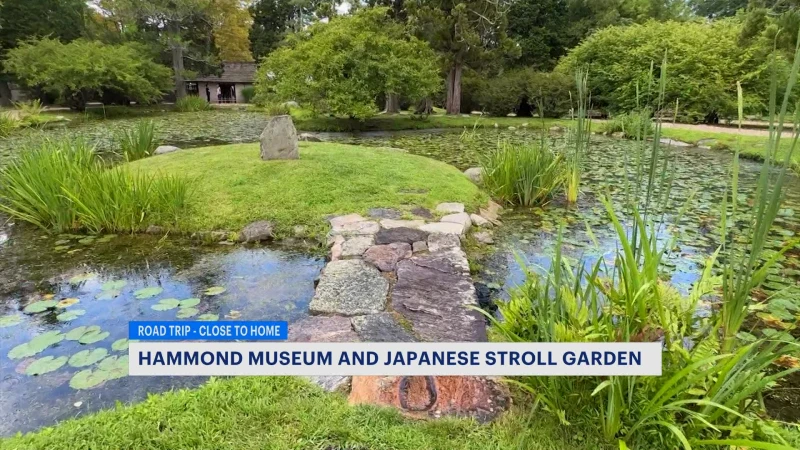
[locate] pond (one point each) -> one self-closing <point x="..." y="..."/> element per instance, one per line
<point x="65" y="301"/>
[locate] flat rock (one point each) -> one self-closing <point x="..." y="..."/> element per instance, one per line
<point x="459" y="218"/>
<point x="491" y="212"/>
<point x="357" y="245"/>
<point x="674" y="143"/>
<point x="422" y="212"/>
<point x="350" y="287"/>
<point x="386" y="257"/>
<point x="384" y="213"/>
<point x="381" y="327"/>
<point x="480" y="221"/>
<point x="402" y="234"/>
<point x="308" y="137"/>
<point x="393" y="223"/>
<point x="362" y="227"/>
<point x="433" y="292"/>
<point x="450" y="208"/>
<point x="474" y="174"/>
<point x="322" y="329"/>
<point x="420" y="246"/>
<point x="484" y="237"/>
<point x="480" y="398"/>
<point x="256" y="231"/>
<point x="279" y="139"/>
<point x="164" y="149"/>
<point x="336" y="248"/>
<point x="439" y="241"/>
<point x="339" y="221"/>
<point x="444" y="227"/>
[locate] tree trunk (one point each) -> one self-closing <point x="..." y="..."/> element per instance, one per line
<point x="177" y="63"/>
<point x="392" y="104"/>
<point x="453" y="104"/>
<point x="425" y="106"/>
<point x="5" y="94"/>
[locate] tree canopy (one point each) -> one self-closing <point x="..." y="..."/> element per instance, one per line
<point x="341" y="67"/>
<point x="82" y="70"/>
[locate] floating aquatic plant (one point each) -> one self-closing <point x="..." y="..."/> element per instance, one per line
<point x="40" y="306"/>
<point x="148" y="292"/>
<point x="45" y="365"/>
<point x="67" y="302"/>
<point x="114" y="285"/>
<point x="87" y="357"/>
<point x="71" y="314"/>
<point x="215" y="290"/>
<point x="120" y="345"/>
<point x="10" y="320"/>
<point x="36" y="345"/>
<point x="185" y="313"/>
<point x="111" y="368"/>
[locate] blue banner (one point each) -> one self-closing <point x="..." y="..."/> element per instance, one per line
<point x="181" y="330"/>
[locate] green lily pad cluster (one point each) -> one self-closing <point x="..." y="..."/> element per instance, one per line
<point x="148" y="292"/>
<point x="87" y="334"/>
<point x="40" y="306"/>
<point x="110" y="368"/>
<point x="45" y="365"/>
<point x="69" y="241"/>
<point x="10" y="320"/>
<point x="186" y="308"/>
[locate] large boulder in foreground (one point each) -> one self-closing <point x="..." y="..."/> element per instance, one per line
<point x="279" y="139"/>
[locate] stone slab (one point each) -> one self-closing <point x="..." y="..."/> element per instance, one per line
<point x="357" y="245"/>
<point x="450" y="208"/>
<point x="444" y="227"/>
<point x="385" y="257"/>
<point x="394" y="223"/>
<point x="433" y="292"/>
<point x="381" y="327"/>
<point x="350" y="287"/>
<point x="402" y="234"/>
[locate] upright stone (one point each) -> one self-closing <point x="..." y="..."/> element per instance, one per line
<point x="279" y="139"/>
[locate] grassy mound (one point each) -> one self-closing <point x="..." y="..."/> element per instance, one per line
<point x="232" y="186"/>
<point x="287" y="413"/>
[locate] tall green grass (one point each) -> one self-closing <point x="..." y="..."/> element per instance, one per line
<point x="713" y="383"/>
<point x="192" y="103"/>
<point x="579" y="136"/>
<point x="525" y="175"/>
<point x="7" y="123"/>
<point x="64" y="186"/>
<point x="138" y="142"/>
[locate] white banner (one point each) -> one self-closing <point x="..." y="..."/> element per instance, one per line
<point x="412" y="359"/>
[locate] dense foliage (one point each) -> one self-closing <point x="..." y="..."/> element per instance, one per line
<point x="523" y="92"/>
<point x="342" y="66"/>
<point x="705" y="62"/>
<point x="84" y="70"/>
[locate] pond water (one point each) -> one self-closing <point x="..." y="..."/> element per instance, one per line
<point x="89" y="291"/>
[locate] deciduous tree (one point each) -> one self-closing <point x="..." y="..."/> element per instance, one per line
<point x="340" y="67"/>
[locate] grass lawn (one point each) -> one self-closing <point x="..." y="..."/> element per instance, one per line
<point x="287" y="413"/>
<point x="233" y="187"/>
<point x="752" y="147"/>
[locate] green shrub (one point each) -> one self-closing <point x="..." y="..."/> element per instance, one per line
<point x="192" y="103"/>
<point x="64" y="186"/>
<point x="706" y="59"/>
<point x="526" y="175"/>
<point x="632" y="125"/>
<point x="138" y="142"/>
<point x="7" y="123"/>
<point x="276" y="109"/>
<point x="249" y="93"/>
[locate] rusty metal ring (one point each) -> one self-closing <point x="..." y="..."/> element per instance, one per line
<point x="430" y="384"/>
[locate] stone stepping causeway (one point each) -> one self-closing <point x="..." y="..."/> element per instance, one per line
<point x="404" y="280"/>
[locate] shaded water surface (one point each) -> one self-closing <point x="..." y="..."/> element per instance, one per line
<point x="103" y="283"/>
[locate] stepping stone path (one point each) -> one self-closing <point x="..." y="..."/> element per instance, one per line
<point x="393" y="280"/>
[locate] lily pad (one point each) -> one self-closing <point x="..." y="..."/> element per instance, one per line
<point x="120" y="345"/>
<point x="185" y="313"/>
<point x="37" y="307"/>
<point x="45" y="365"/>
<point x="113" y="285"/>
<point x="208" y="317"/>
<point x="10" y="320"/>
<point x="93" y="336"/>
<point x="36" y="345"/>
<point x="76" y="333"/>
<point x="87" y="379"/>
<point x="114" y="366"/>
<point x="72" y="314"/>
<point x="189" y="302"/>
<point x="78" y="279"/>
<point x="67" y="302"/>
<point x="87" y="357"/>
<point x="108" y="295"/>
<point x="215" y="290"/>
<point x="87" y="240"/>
<point x="166" y="304"/>
<point x="149" y="292"/>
